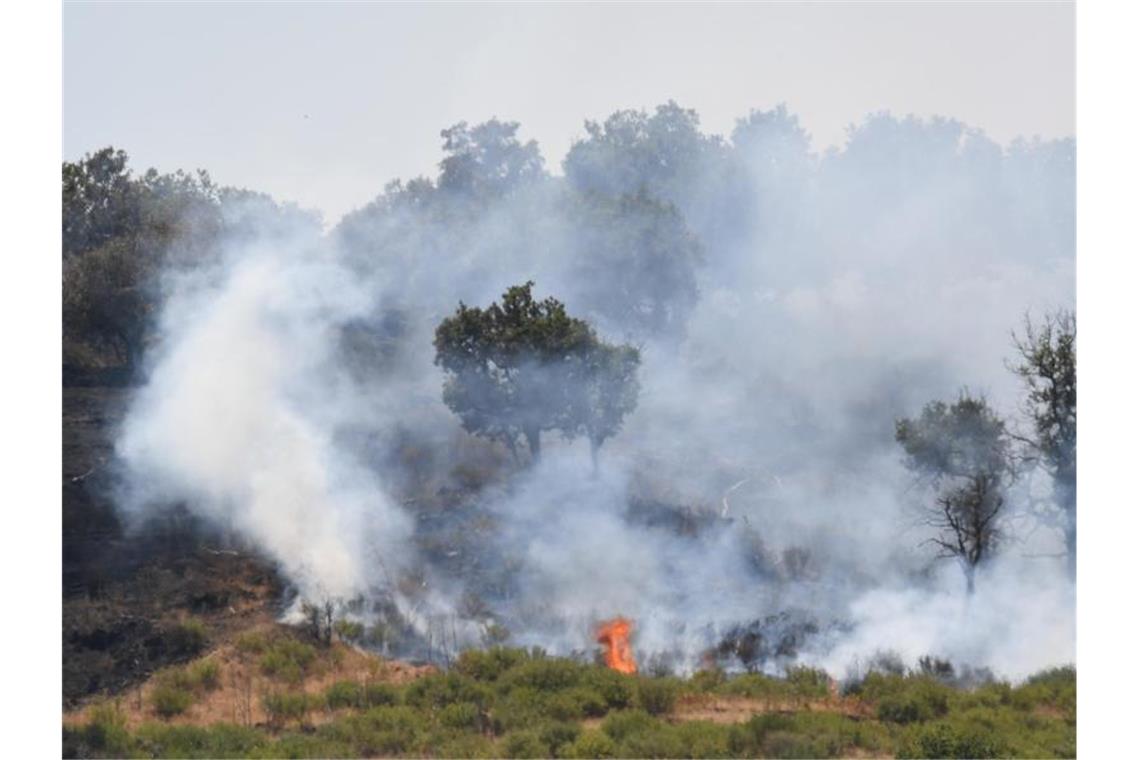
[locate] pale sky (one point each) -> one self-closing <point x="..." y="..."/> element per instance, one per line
<point x="322" y="104"/>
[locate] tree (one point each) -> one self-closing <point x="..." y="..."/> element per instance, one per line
<point x="962" y="452"/>
<point x="1048" y="369"/>
<point x="107" y="299"/>
<point x="635" y="262"/>
<point x="487" y="160"/>
<point x="100" y="200"/>
<point x="526" y="366"/>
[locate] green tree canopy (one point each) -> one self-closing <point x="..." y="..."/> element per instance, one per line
<point x="521" y="367"/>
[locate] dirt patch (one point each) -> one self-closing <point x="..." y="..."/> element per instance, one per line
<point x="724" y="709"/>
<point x="237" y="699"/>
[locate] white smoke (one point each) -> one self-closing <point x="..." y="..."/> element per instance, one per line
<point x="857" y="287"/>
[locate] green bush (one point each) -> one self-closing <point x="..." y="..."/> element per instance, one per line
<point x="524" y="744"/>
<point x="615" y="688"/>
<point x="944" y="739"/>
<point x="657" y="696"/>
<point x="344" y="694"/>
<point x="105" y="734"/>
<point x="543" y="674"/>
<point x="221" y="740"/>
<point x="287" y="660"/>
<point x="169" y="700"/>
<point x="619" y="725"/>
<point x="579" y="702"/>
<point x="187" y="637"/>
<point x="707" y="680"/>
<point x="488" y="665"/>
<point x="348" y="630"/>
<point x="461" y="715"/>
<point x="810" y="683"/>
<point x="557" y="733"/>
<point x="377" y="694"/>
<point x="748" y="738"/>
<point x="203" y="675"/>
<point x="284" y="706"/>
<point x="700" y="738"/>
<point x="252" y="642"/>
<point x="441" y="689"/>
<point x="467" y="745"/>
<point x="591" y="744"/>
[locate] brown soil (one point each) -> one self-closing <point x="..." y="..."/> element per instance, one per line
<point x="722" y="709"/>
<point x="241" y="687"/>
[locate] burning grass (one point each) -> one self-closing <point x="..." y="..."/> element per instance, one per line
<point x="503" y="702"/>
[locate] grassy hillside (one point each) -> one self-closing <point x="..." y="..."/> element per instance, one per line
<point x="272" y="693"/>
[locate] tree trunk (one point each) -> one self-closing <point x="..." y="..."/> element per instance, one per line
<point x="595" y="446"/>
<point x="534" y="441"/>
<point x="1071" y="547"/>
<point x="970" y="571"/>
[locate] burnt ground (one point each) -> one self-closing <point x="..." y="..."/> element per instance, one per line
<point x="138" y="598"/>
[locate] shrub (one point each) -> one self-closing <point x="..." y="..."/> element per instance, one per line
<point x="441" y="689"/>
<point x="348" y="630"/>
<point x="106" y="732"/>
<point x="203" y="675"/>
<point x="550" y="674"/>
<point x="283" y="706"/>
<point x="707" y="680"/>
<point x="591" y="744"/>
<point x="187" y="637"/>
<point x="748" y="738"/>
<point x="252" y="642"/>
<point x="615" y="688"/>
<point x="557" y="733"/>
<point x="461" y="715"/>
<point x="943" y="739"/>
<point x="575" y="703"/>
<point x="467" y="745"/>
<point x="344" y="694"/>
<point x="808" y="682"/>
<point x="657" y="695"/>
<point x="619" y="725"/>
<point x="196" y="741"/>
<point x="287" y="660"/>
<point x="488" y="665"/>
<point x="524" y="744"/>
<point x="702" y="739"/>
<point x="377" y="694"/>
<point x="170" y="700"/>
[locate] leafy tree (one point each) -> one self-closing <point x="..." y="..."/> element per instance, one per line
<point x="1047" y="365"/>
<point x="962" y="451"/>
<point x="636" y="262"/>
<point x="488" y="159"/>
<point x="525" y="366"/>
<point x="100" y="200"/>
<point x="107" y="299"/>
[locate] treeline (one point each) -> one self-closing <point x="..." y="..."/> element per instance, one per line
<point x="123" y="233"/>
<point x="649" y="211"/>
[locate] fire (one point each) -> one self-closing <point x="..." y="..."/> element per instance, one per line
<point x="614" y="636"/>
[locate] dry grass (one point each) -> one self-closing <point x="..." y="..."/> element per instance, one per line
<point x="237" y="697"/>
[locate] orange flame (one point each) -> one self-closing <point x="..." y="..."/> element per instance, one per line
<point x="614" y="636"/>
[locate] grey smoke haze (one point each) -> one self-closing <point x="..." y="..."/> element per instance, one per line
<point x="835" y="292"/>
<point x="314" y="102"/>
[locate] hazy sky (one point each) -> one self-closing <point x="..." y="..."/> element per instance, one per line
<point x="322" y="104"/>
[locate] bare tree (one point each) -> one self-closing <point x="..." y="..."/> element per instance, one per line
<point x="962" y="452"/>
<point x="965" y="517"/>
